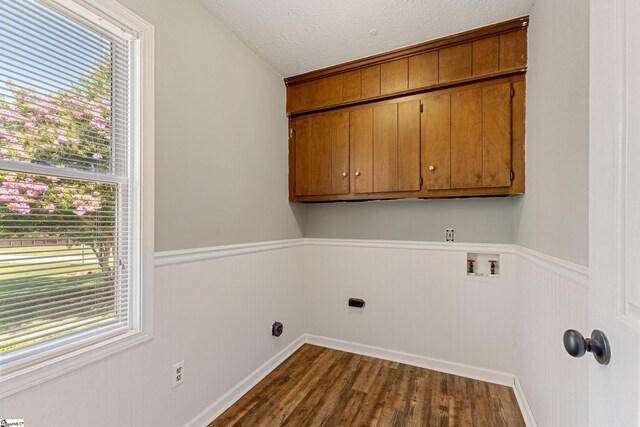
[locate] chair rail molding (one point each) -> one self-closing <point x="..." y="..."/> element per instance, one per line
<point x="577" y="273"/>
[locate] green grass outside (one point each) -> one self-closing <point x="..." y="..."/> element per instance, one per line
<point x="46" y="250"/>
<point x="61" y="277"/>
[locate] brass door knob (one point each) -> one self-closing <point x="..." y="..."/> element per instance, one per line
<point x="344" y="174"/>
<point x="432" y="168"/>
<point x="357" y="173"/>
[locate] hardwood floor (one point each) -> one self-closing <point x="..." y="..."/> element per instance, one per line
<point x="317" y="386"/>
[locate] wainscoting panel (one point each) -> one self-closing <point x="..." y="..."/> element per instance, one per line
<point x="214" y="308"/>
<point x="419" y="300"/>
<point x="549" y="301"/>
<point x="215" y="313"/>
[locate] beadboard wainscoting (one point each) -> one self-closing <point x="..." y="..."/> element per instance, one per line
<point x="551" y="297"/>
<point x="213" y="309"/>
<point x="419" y="300"/>
<point x="422" y="309"/>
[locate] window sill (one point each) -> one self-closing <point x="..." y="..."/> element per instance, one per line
<point x="32" y="375"/>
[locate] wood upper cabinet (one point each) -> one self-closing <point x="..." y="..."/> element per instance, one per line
<point x="467" y="137"/>
<point x="321" y="154"/>
<point x="456" y="142"/>
<point x="445" y="118"/>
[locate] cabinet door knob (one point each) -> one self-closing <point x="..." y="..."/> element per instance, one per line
<point x="432" y="168"/>
<point x="357" y="173"/>
<point x="344" y="174"/>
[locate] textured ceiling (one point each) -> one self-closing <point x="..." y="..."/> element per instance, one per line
<point x="296" y="36"/>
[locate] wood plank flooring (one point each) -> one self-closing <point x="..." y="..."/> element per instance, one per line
<point x="317" y="386"/>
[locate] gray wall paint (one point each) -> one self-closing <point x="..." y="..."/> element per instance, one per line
<point x="474" y="220"/>
<point x="221" y="134"/>
<point x="553" y="217"/>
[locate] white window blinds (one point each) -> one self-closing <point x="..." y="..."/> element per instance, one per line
<point x="65" y="179"/>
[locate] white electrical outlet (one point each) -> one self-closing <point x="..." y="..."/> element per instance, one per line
<point x="177" y="375"/>
<point x="448" y="235"/>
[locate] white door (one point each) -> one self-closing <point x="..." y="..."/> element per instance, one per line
<point x="614" y="209"/>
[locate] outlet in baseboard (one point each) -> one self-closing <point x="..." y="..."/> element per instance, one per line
<point x="177" y="374"/>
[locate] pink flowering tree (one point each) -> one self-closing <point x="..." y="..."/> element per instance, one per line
<point x="69" y="129"/>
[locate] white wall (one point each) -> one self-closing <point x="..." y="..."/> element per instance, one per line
<point x="553" y="216"/>
<point x="216" y="315"/>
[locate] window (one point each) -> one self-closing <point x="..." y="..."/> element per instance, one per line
<point x="75" y="137"/>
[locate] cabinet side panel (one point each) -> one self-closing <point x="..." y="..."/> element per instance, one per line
<point x="339" y="128"/>
<point x="302" y="165"/>
<point x="385" y="148"/>
<point x="293" y="98"/>
<point x="362" y="146"/>
<point x="466" y="139"/>
<point x="436" y="140"/>
<point x="496" y="135"/>
<point x="409" y="146"/>
<point x="518" y="116"/>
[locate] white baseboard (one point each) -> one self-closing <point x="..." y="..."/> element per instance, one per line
<point x="527" y="413"/>
<point x="216" y="409"/>
<point x="445" y="366"/>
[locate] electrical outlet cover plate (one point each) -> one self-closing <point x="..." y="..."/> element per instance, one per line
<point x="448" y="235"/>
<point x="177" y="375"/>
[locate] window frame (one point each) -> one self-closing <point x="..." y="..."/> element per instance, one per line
<point x="69" y="357"/>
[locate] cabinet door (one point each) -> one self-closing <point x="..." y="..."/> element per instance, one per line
<point x="481" y="137"/>
<point x="361" y="139"/>
<point x="496" y="136"/>
<point x="436" y="142"/>
<point x="385" y="148"/>
<point x="396" y="147"/>
<point x="409" y="146"/>
<point x="466" y="137"/>
<point x="322" y="154"/>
